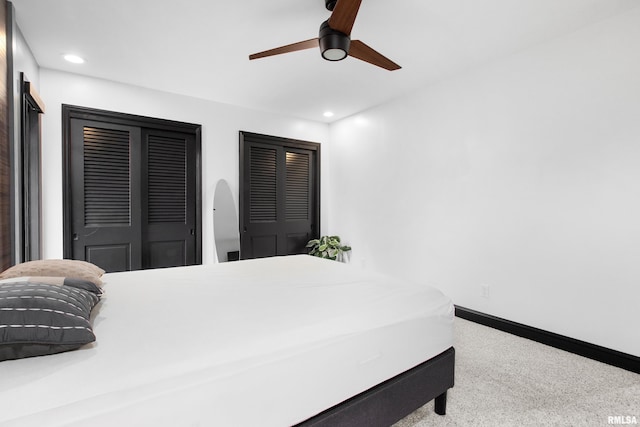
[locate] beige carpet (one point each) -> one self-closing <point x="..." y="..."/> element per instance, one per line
<point x="505" y="380"/>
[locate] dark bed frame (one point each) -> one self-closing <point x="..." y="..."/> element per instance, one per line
<point x="394" y="399"/>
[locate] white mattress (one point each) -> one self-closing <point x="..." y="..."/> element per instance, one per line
<point x="266" y="342"/>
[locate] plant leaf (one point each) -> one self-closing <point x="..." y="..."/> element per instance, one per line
<point x="328" y="247"/>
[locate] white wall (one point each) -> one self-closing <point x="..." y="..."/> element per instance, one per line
<point x="523" y="175"/>
<point x="23" y="61"/>
<point x="220" y="147"/>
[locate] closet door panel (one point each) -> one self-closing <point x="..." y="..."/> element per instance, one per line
<point x="106" y="229"/>
<point x="299" y="215"/>
<point x="169" y="183"/>
<point x="260" y="222"/>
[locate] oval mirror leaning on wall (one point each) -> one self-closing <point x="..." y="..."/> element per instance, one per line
<point x="225" y="223"/>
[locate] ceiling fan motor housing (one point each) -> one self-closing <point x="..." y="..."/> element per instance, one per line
<point x="330" y="4"/>
<point x="334" y="45"/>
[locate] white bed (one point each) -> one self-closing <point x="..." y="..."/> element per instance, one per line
<point x="268" y="342"/>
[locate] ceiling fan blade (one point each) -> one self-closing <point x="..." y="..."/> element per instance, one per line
<point x="344" y="15"/>
<point x="307" y="44"/>
<point x="363" y="52"/>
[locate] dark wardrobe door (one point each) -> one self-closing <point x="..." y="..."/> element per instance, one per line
<point x="279" y="203"/>
<point x="105" y="195"/>
<point x="169" y="214"/>
<point x="134" y="191"/>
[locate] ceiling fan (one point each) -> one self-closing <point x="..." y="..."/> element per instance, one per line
<point x="334" y="39"/>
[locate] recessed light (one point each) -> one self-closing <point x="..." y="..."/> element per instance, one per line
<point x="74" y="59"/>
<point x="328" y="114"/>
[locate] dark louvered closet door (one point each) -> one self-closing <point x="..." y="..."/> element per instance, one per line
<point x="132" y="190"/>
<point x="106" y="227"/>
<point x="279" y="208"/>
<point x="169" y="217"/>
<point x="299" y="200"/>
<point x="260" y="236"/>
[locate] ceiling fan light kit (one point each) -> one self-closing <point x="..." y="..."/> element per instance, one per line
<point x="334" y="45"/>
<point x="334" y="39"/>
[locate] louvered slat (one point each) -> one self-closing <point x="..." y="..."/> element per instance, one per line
<point x="106" y="177"/>
<point x="297" y="186"/>
<point x="263" y="185"/>
<point x="167" y="180"/>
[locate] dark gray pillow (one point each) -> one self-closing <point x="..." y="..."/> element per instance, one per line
<point x="38" y="319"/>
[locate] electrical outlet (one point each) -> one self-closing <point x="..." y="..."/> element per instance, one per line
<point x="484" y="291"/>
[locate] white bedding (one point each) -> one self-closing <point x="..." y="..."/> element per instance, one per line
<point x="266" y="342"/>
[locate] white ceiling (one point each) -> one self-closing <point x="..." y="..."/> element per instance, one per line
<point x="200" y="48"/>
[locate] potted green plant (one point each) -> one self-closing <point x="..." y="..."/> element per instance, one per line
<point x="328" y="247"/>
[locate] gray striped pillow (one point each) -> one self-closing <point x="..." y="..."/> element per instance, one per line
<point x="38" y="319"/>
